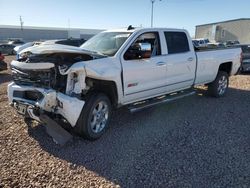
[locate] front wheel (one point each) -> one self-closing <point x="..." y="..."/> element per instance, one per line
<point x="219" y="86"/>
<point x="95" y="116"/>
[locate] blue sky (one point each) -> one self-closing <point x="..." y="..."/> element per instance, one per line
<point x="107" y="14"/>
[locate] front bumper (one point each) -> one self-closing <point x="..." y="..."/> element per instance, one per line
<point x="48" y="100"/>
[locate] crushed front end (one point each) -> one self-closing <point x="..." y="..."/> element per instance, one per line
<point x="48" y="84"/>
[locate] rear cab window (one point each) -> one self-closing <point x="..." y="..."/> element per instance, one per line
<point x="177" y="42"/>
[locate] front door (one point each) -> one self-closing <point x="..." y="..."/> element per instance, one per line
<point x="144" y="71"/>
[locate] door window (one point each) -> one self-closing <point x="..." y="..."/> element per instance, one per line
<point x="177" y="42"/>
<point x="145" y="46"/>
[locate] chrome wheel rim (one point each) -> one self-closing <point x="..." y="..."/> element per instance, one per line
<point x="99" y="117"/>
<point x="222" y="85"/>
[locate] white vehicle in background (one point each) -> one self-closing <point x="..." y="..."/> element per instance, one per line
<point x="202" y="42"/>
<point x="137" y="68"/>
<point x="18" y="49"/>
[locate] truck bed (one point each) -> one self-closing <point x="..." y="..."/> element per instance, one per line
<point x="209" y="60"/>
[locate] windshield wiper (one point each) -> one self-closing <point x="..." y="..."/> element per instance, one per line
<point x="95" y="52"/>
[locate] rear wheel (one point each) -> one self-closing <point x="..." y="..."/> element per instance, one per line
<point x="95" y="116"/>
<point x="219" y="86"/>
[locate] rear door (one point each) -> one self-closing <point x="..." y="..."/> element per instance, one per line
<point x="181" y="60"/>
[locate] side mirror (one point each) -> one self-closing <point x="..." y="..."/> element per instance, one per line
<point x="145" y="47"/>
<point x="138" y="51"/>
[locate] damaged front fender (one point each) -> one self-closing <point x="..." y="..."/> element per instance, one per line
<point x="75" y="78"/>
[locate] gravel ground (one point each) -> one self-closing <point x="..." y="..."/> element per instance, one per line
<point x="194" y="142"/>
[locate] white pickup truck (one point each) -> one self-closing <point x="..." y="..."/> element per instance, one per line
<point x="134" y="67"/>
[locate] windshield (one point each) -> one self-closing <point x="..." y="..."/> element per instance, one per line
<point x="107" y="43"/>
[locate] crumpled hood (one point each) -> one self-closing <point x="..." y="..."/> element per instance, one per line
<point x="22" y="47"/>
<point x="55" y="48"/>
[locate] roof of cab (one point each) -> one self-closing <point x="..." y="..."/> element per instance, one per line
<point x="143" y="29"/>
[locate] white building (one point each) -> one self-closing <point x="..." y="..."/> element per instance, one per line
<point x="238" y="29"/>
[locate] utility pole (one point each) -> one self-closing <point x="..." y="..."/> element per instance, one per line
<point x="21" y="22"/>
<point x="152" y="11"/>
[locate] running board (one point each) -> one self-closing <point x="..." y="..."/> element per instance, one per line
<point x="159" y="100"/>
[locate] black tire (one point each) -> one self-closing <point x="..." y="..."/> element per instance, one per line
<point x="219" y="86"/>
<point x="83" y="126"/>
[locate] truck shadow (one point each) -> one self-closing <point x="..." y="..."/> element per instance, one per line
<point x="153" y="140"/>
<point x="5" y="77"/>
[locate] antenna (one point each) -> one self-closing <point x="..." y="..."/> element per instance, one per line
<point x="130" y="27"/>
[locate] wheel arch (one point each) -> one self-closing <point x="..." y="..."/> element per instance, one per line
<point x="104" y="86"/>
<point x="226" y="67"/>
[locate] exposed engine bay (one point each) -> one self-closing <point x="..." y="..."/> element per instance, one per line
<point x="53" y="77"/>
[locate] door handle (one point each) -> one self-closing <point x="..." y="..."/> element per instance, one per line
<point x="160" y="63"/>
<point x="190" y="59"/>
